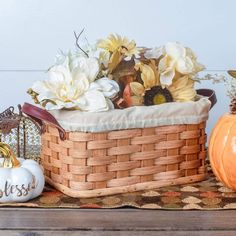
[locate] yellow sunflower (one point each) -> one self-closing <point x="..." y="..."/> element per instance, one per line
<point x="115" y="43"/>
<point x="119" y="48"/>
<point x="181" y="90"/>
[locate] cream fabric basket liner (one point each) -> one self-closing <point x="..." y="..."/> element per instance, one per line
<point x="135" y="117"/>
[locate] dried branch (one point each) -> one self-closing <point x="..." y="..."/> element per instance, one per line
<point x="77" y="42"/>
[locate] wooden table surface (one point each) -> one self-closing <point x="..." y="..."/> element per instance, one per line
<point x="35" y="222"/>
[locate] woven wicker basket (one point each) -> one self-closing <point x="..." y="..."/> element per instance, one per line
<point x="98" y="164"/>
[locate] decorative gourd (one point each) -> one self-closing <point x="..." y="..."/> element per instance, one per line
<point x="222" y="150"/>
<point x="222" y="146"/>
<point x="20" y="179"/>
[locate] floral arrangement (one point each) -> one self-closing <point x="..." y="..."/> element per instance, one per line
<point x="115" y="73"/>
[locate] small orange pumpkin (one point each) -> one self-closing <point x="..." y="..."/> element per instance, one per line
<point x="222" y="150"/>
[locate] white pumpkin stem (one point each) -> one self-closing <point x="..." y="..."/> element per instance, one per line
<point x="10" y="160"/>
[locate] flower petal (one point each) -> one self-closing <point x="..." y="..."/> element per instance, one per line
<point x="51" y="106"/>
<point x="167" y="77"/>
<point x="104" y="58"/>
<point x="89" y="66"/>
<point x="110" y="104"/>
<point x="175" y="50"/>
<point x="137" y="100"/>
<point x="43" y="90"/>
<point x="154" y="53"/>
<point x="190" y="53"/>
<point x="93" y="101"/>
<point x="46" y="95"/>
<point x="64" y="59"/>
<point x="179" y="84"/>
<point x="147" y="75"/>
<point x="185" y="65"/>
<point x="183" y="90"/>
<point x="80" y="81"/>
<point x="114" y="60"/>
<point x="92" y="67"/>
<point x="198" y="67"/>
<point x="137" y="88"/>
<point x="166" y="63"/>
<point x="59" y="74"/>
<point x="39" y="87"/>
<point x="108" y="87"/>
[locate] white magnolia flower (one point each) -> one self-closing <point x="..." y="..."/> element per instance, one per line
<point x="72" y="85"/>
<point x="177" y="58"/>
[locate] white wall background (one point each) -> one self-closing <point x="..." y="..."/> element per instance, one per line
<point x="32" y="31"/>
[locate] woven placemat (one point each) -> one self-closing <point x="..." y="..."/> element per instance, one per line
<point x="206" y="195"/>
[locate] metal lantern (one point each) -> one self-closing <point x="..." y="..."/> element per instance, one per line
<point x="21" y="133"/>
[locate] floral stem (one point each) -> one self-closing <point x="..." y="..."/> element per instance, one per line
<point x="77" y="42"/>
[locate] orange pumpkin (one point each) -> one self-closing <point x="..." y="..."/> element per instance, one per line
<point x="222" y="150"/>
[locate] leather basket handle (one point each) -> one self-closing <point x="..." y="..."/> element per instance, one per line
<point x="208" y="93"/>
<point x="41" y="116"/>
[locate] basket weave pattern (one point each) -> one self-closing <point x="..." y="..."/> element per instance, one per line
<point x="97" y="164"/>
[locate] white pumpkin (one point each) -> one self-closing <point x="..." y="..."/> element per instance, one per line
<point x="20" y="179"/>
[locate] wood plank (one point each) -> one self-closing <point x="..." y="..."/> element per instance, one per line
<point x="115" y="233"/>
<point x="116" y="220"/>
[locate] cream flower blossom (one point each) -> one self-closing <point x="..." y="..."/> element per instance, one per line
<point x="177" y="58"/>
<point x="72" y="84"/>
